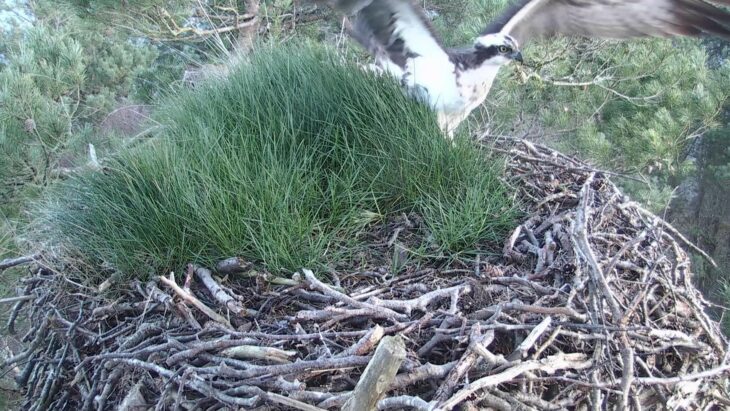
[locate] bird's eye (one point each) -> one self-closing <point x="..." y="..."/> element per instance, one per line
<point x="503" y="49"/>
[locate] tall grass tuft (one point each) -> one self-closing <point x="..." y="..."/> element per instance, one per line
<point x="278" y="164"/>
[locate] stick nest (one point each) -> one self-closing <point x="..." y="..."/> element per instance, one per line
<point x="590" y="306"/>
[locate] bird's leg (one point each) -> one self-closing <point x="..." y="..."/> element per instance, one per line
<point x="447" y="124"/>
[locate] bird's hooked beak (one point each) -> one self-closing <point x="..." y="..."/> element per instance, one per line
<point x="516" y="56"/>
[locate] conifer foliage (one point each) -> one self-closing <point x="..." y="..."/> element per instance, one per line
<point x="61" y="79"/>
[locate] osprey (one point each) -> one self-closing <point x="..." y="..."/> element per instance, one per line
<point x="456" y="81"/>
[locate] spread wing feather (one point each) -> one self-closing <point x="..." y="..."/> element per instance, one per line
<point x="616" y="19"/>
<point x="395" y="30"/>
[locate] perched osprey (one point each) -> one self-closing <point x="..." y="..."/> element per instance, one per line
<point x="456" y="81"/>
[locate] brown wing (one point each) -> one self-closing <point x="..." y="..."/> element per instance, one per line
<point x="615" y="19"/>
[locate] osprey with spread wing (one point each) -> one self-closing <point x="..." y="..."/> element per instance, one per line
<point x="456" y="81"/>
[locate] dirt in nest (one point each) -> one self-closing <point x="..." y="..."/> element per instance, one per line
<point x="590" y="306"/>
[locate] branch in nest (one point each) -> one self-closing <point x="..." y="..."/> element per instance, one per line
<point x="713" y="373"/>
<point x="404" y="401"/>
<point x="40" y="335"/>
<point x="341" y="314"/>
<point x="402" y="381"/>
<point x="549" y="365"/>
<point x="14" y="262"/>
<point x="422" y="373"/>
<point x="204" y="346"/>
<point x="537" y="309"/>
<point x="16" y="299"/>
<point x="580" y="237"/>
<point x="378" y="375"/>
<point x="300" y="367"/>
<point x="531" y="339"/>
<point x="675" y="233"/>
<point x="190" y="298"/>
<point x="366" y="343"/>
<point x="421" y="303"/>
<point x="467" y="361"/>
<point x="287" y="401"/>
<point x="314" y="283"/>
<point x="194" y="382"/>
<point x="115" y="309"/>
<point x="220" y="295"/>
<point x="253" y="352"/>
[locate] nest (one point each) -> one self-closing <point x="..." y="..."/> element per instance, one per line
<point x="590" y="306"/>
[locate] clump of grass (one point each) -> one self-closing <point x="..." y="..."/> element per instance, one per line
<point x="278" y="164"/>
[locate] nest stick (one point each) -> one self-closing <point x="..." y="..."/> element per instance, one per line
<point x="190" y="298"/>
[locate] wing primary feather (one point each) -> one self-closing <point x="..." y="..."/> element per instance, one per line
<point x="617" y="19"/>
<point x="496" y="25"/>
<point x="393" y="30"/>
<point x="710" y="19"/>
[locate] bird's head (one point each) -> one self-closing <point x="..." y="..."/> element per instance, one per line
<point x="497" y="49"/>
